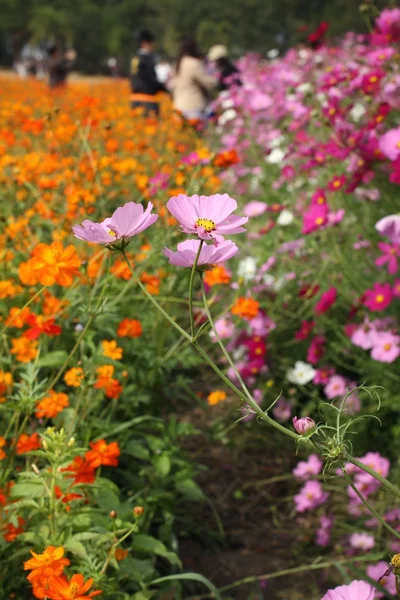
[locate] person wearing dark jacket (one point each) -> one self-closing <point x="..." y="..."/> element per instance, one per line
<point x="144" y="83"/>
<point x="59" y="66"/>
<point x="228" y="74"/>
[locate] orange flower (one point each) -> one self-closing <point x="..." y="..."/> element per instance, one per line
<point x="54" y="264"/>
<point x="129" y="328"/>
<point x="152" y="283"/>
<point x="3" y="442"/>
<point x="74" y="377"/>
<point x="217" y="275"/>
<point x="17" y="317"/>
<point x="25" y="350"/>
<point x="52" y="306"/>
<point x="111" y="349"/>
<point x="121" y="554"/>
<point x="80" y="470"/>
<point x="103" y="454"/>
<point x="48" y="564"/>
<point x="11" y="532"/>
<point x="50" y="406"/>
<point x="106" y="382"/>
<point x="75" y="589"/>
<point x="27" y="443"/>
<point x="247" y="308"/>
<point x="6" y="381"/>
<point x="216" y="397"/>
<point x="226" y="159"/>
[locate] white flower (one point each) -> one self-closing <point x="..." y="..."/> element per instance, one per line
<point x="227" y="103"/>
<point x="301" y="374"/>
<point x="269" y="280"/>
<point x="321" y="97"/>
<point x="247" y="268"/>
<point x="277" y="141"/>
<point x="357" y="112"/>
<point x="276" y="156"/>
<point x="305" y="88"/>
<point x="285" y="218"/>
<point x="273" y="53"/>
<point x="228" y="115"/>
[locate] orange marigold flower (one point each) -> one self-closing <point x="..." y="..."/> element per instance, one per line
<point x="80" y="470"/>
<point x="52" y="306"/>
<point x="103" y="454"/>
<point x="130" y="328"/>
<point x="226" y="159"/>
<point x="11" y="532"/>
<point x="48" y="564"/>
<point x="216" y="397"/>
<point x="27" y="443"/>
<point x="111" y="349"/>
<point x="60" y="588"/>
<point x="152" y="283"/>
<point x="247" y="308"/>
<point x="17" y="317"/>
<point x="74" y="377"/>
<point x="38" y="325"/>
<point x="3" y="442"/>
<point x="54" y="264"/>
<point x="217" y="275"/>
<point x="121" y="270"/>
<point x="50" y="406"/>
<point x="25" y="350"/>
<point x="121" y="554"/>
<point x="6" y="381"/>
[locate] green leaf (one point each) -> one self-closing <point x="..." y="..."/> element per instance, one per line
<point x="162" y="465"/>
<point x="146" y="543"/>
<point x="76" y="548"/>
<point x="190" y="577"/>
<point x="125" y="426"/>
<point x="143" y="595"/>
<point x="53" y="359"/>
<point x="190" y="490"/>
<point x="31" y="490"/>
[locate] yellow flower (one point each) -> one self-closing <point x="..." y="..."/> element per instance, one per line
<point x="216" y="397"/>
<point x="111" y="350"/>
<point x="74" y="377"/>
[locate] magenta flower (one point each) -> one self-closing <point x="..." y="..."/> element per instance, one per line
<point x="303" y="425"/>
<point x="390" y="253"/>
<point x="209" y="217"/>
<point x="309" y="468"/>
<point x="310" y="496"/>
<point x="323" y="533"/>
<point x="356" y="590"/>
<point x="389" y="582"/>
<point x="315" y="217"/>
<point x="282" y="410"/>
<point x="209" y="255"/>
<point x="305" y="330"/>
<point x="386" y="347"/>
<point x="316" y="349"/>
<point x="390" y="227"/>
<point x="379" y="297"/>
<point x="389" y="143"/>
<point x="126" y="221"/>
<point x="326" y="301"/>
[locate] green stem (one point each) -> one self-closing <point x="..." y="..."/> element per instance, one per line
<point x="21" y="309"/>
<point x="369" y="507"/>
<point x="389" y="486"/>
<point x="114" y="546"/>
<point x="153" y="300"/>
<point x="191" y="282"/>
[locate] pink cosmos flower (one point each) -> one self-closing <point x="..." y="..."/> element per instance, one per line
<point x="389" y="143"/>
<point x="316" y="349"/>
<point x="389" y="257"/>
<point x="388" y="23"/>
<point x="209" y="217"/>
<point x="318" y="197"/>
<point x="306" y="469"/>
<point x="255" y="208"/>
<point x="305" y="330"/>
<point x="303" y="425"/>
<point x="356" y="590"/>
<point x="224" y="327"/>
<point x="210" y="255"/>
<point x="126" y="221"/>
<point x="323" y="374"/>
<point x="310" y="496"/>
<point x="282" y="410"/>
<point x="315" y="217"/>
<point x="323" y="534"/>
<point x="363" y="336"/>
<point x="335" y="387"/>
<point x="386" y="347"/>
<point x="362" y="541"/>
<point x="396" y="288"/>
<point x="337" y="183"/>
<point x="390" y="227"/>
<point x="327" y="300"/>
<point x="379" y="297"/>
<point x="389" y="582"/>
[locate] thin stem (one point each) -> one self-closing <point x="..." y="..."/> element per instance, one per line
<point x="389" y="486"/>
<point x="369" y="507"/>
<point x="114" y="546"/>
<point x="11" y="321"/>
<point x="191" y="282"/>
<point x="153" y="300"/>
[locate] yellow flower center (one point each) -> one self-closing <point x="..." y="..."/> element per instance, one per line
<point x="387" y="347"/>
<point x="74" y="590"/>
<point x="46" y="557"/>
<point x="373" y="79"/>
<point x="207" y="224"/>
<point x="112" y="232"/>
<point x="336" y="184"/>
<point x="319" y="221"/>
<point x="56" y="254"/>
<point x="380" y="298"/>
<point x="398" y="145"/>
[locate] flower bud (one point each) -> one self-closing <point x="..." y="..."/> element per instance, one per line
<point x="395" y="564"/>
<point x="138" y="511"/>
<point x="113" y="514"/>
<point x="303" y="425"/>
<point x="71" y="442"/>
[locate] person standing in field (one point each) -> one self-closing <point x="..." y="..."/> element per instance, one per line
<point x="59" y="66"/>
<point x="191" y="84"/>
<point x="144" y="83"/>
<point x="228" y="73"/>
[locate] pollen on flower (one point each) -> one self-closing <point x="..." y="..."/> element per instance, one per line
<point x="395" y="561"/>
<point x="207" y="224"/>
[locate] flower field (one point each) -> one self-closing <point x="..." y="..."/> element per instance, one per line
<point x="249" y="272"/>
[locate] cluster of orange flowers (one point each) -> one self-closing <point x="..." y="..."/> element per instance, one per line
<point x="49" y="581"/>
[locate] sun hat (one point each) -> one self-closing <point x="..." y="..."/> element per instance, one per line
<point x="217" y="52"/>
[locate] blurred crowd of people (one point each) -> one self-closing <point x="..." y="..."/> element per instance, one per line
<point x="192" y="80"/>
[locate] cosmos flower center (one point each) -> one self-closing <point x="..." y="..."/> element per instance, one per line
<point x="387" y="347"/>
<point x="207" y="224"/>
<point x="319" y="221"/>
<point x="380" y="298"/>
<point x="112" y="231"/>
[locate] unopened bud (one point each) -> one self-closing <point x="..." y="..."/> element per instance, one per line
<point x="304" y="425"/>
<point x="35" y="469"/>
<point x="113" y="514"/>
<point x="45" y="444"/>
<point x="138" y="511"/>
<point x="71" y="442"/>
